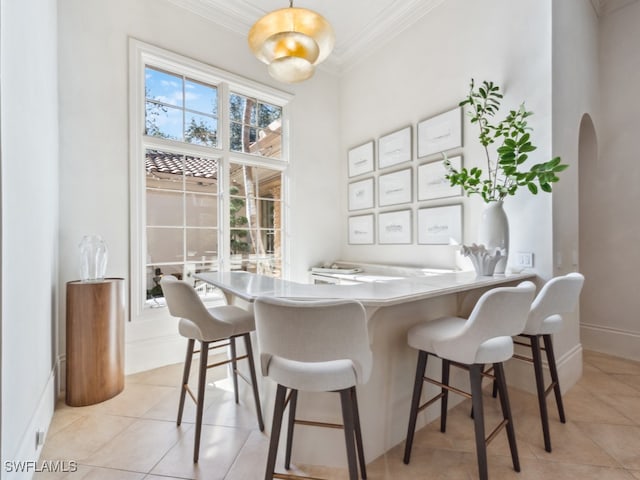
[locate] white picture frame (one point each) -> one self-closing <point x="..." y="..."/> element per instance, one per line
<point x="361" y="194"/>
<point x="394" y="148"/>
<point x="440" y="225"/>
<point x="440" y="133"/>
<point x="360" y="159"/>
<point x="432" y="181"/>
<point x="394" y="228"/>
<point x="361" y="230"/>
<point x="395" y="188"/>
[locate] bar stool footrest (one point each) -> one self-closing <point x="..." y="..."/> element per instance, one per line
<point x="430" y="402"/>
<point x="290" y="476"/>
<point x="447" y="387"/>
<point x="310" y="423"/>
<point x="496" y="430"/>
<point x="550" y="389"/>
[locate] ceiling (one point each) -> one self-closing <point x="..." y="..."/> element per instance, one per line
<point x="360" y="25"/>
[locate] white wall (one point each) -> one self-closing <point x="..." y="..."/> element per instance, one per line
<point x="609" y="314"/>
<point x="93" y="52"/>
<point x="29" y="222"/>
<point x="575" y="93"/>
<point x="426" y="70"/>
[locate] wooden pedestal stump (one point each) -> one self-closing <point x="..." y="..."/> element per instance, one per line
<point x="95" y="341"/>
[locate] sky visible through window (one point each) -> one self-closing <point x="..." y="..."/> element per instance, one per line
<point x="180" y="109"/>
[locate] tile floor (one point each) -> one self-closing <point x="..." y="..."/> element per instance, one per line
<point x="133" y="436"/>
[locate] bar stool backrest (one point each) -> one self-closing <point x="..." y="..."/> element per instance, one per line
<point x="313" y="331"/>
<point x="500" y="312"/>
<point x="559" y="295"/>
<point x="185" y="303"/>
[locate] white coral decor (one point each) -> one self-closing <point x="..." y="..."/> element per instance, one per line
<point x="484" y="261"/>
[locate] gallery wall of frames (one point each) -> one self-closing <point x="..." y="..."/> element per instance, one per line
<point x="396" y="197"/>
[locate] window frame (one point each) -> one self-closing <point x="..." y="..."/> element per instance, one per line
<point x="141" y="55"/>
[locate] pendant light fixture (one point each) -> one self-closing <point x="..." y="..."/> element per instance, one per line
<point x="292" y="41"/>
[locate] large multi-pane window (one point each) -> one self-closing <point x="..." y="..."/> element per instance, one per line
<point x="207" y="174"/>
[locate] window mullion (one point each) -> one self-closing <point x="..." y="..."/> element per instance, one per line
<point x="185" y="269"/>
<point x="184" y="112"/>
<point x="184" y="219"/>
<point x="224" y="127"/>
<point x="167" y="145"/>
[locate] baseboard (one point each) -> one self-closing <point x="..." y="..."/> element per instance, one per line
<point x="61" y="376"/>
<point x="28" y="452"/>
<point x="139" y="356"/>
<point x="520" y="373"/>
<point x="570" y="367"/>
<point x="155" y="352"/>
<point x="611" y="341"/>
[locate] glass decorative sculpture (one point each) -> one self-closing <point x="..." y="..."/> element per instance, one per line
<point x="93" y="258"/>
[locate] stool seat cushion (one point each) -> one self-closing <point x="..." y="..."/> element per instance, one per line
<point x="312" y="376"/>
<point x="495" y="350"/>
<point x="445" y="338"/>
<point x="549" y="325"/>
<point x="227" y="321"/>
<point x="424" y="335"/>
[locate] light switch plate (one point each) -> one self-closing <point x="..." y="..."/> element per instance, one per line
<point x="524" y="259"/>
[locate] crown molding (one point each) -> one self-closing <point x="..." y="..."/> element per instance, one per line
<point x="606" y="7"/>
<point x="239" y="15"/>
<point x="390" y="22"/>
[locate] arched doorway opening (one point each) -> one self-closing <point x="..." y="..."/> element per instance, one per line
<point x="588" y="221"/>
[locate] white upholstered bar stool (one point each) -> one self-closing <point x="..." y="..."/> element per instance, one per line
<point x="314" y="346"/>
<point x="207" y="326"/>
<point x="559" y="295"/>
<point x="483" y="338"/>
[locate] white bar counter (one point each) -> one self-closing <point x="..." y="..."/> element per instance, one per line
<point x="394" y="304"/>
<point x="382" y="291"/>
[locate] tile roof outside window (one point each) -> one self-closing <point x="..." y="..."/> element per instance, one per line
<point x="172" y="163"/>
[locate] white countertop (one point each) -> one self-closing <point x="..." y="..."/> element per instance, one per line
<point x="392" y="291"/>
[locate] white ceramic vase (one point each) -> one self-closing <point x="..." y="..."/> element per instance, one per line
<point x="494" y="232"/>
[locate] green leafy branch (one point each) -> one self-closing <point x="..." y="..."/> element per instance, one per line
<point x="506" y="173"/>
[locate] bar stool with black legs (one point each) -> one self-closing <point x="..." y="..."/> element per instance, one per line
<point x="484" y="338"/>
<point x="559" y="295"/>
<point x="208" y="326"/>
<point x="314" y="346"/>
